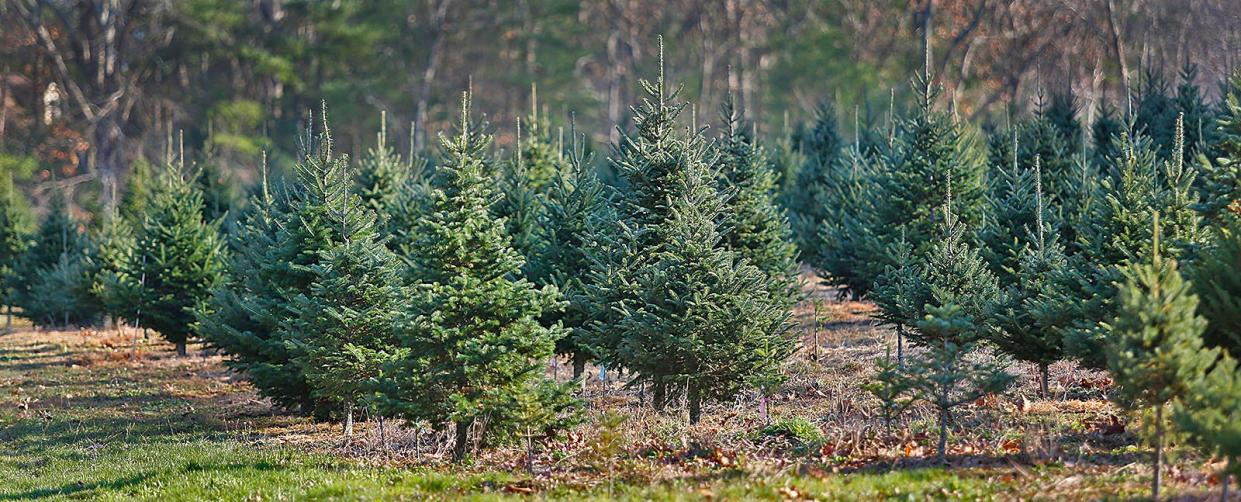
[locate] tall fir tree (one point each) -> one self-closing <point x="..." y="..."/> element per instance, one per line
<point x="270" y="260"/>
<point x="177" y="260"/>
<point x="669" y="297"/>
<point x="821" y="146"/>
<point x="574" y="201"/>
<point x="932" y="150"/>
<point x="1025" y="331"/>
<point x="475" y="344"/>
<point x="14" y="239"/>
<point x="1118" y="232"/>
<point x="758" y="230"/>
<point x="703" y="320"/>
<point x="57" y="235"/>
<point x="343" y="329"/>
<point x="1154" y="350"/>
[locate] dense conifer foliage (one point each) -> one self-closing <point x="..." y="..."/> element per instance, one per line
<point x="178" y="258"/>
<point x="475" y="344"/>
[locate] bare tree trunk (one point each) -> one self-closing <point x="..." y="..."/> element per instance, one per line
<point x="579" y="365"/>
<point x="1157" y="478"/>
<point x="181" y="348"/>
<point x="435" y="54"/>
<point x="462" y="445"/>
<point x="943" y="435"/>
<point x="695" y="403"/>
<point x="1042" y="370"/>
<point x="347" y="426"/>
<point x="659" y="396"/>
<point x="1118" y="45"/>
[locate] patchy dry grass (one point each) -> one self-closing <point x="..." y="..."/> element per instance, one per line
<point x="109" y="415"/>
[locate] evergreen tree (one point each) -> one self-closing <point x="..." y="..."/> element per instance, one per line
<point x="954" y="273"/>
<point x="851" y="236"/>
<point x="786" y="159"/>
<point x="702" y="318"/>
<point x="758" y="229"/>
<point x="1061" y="113"/>
<point x="270" y="261"/>
<point x="1009" y="222"/>
<point x="57" y="235"/>
<point x="382" y="177"/>
<point x="932" y="151"/>
<point x="1154" y="111"/>
<point x="944" y="376"/>
<point x="1104" y="133"/>
<point x="139" y="188"/>
<point x="899" y="293"/>
<point x="1154" y="350"/>
<point x="219" y="194"/>
<point x="1218" y="286"/>
<point x="61" y="295"/>
<point x="342" y="329"/>
<point x="476" y="343"/>
<point x="807" y="201"/>
<point x="1221" y="191"/>
<point x="1211" y="413"/>
<point x="1027" y="332"/>
<point x="14" y="227"/>
<point x="109" y="253"/>
<point x="1118" y="233"/>
<point x="176" y="262"/>
<point x="520" y="206"/>
<point x="573" y="203"/>
<point x="673" y="305"/>
<point x="893" y="388"/>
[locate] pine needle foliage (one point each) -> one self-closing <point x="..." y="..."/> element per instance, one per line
<point x="1155" y="349"/>
<point x="944" y="375"/>
<point x="342" y="330"/>
<point x="574" y="201"/>
<point x="757" y="229"/>
<point x="177" y="260"/>
<point x="475" y="343"/>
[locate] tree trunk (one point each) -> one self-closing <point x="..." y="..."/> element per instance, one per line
<point x="1155" y="481"/>
<point x="1223" y="482"/>
<point x="347" y="426"/>
<point x="181" y="348"/>
<point x="762" y="409"/>
<point x="1042" y="371"/>
<point x="900" y="347"/>
<point x="579" y="366"/>
<point x="658" y="396"/>
<point x="462" y="445"/>
<point x="8" y="318"/>
<point x="943" y="436"/>
<point x="695" y="404"/>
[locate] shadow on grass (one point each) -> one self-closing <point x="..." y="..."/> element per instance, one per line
<point x="83" y="490"/>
